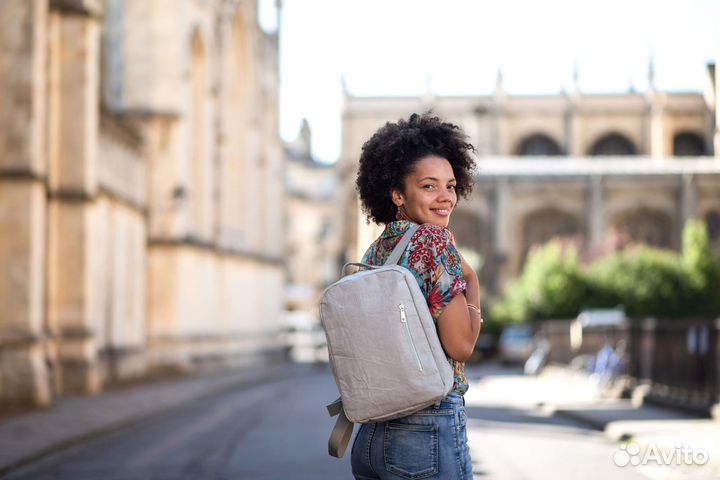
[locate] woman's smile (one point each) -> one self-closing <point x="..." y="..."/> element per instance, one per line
<point x="442" y="212"/>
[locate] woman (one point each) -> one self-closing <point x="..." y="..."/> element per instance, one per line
<point x="412" y="172"/>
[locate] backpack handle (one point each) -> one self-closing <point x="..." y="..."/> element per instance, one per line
<point x="357" y="264"/>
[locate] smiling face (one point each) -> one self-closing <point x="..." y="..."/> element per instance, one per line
<point x="429" y="195"/>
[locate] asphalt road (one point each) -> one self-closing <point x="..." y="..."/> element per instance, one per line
<point x="279" y="431"/>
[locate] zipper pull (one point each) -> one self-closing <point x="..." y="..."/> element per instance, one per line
<point x="403" y="318"/>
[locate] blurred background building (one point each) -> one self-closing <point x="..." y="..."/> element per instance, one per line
<point x="601" y="169"/>
<point x="313" y="223"/>
<point x="151" y="218"/>
<point x="141" y="191"/>
<point x="313" y="242"/>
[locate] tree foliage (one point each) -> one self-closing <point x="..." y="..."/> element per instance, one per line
<point x="642" y="280"/>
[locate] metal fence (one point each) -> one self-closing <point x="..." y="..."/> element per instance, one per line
<point x="676" y="360"/>
<point x="679" y="360"/>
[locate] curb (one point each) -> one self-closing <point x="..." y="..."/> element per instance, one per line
<point x="571" y="415"/>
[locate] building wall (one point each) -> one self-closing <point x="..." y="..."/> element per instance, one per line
<point x="509" y="212"/>
<point x="140" y="167"/>
<point x="520" y="201"/>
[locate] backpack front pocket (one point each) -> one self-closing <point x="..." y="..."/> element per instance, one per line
<point x="403" y="320"/>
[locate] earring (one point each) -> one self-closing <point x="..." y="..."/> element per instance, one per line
<point x="400" y="215"/>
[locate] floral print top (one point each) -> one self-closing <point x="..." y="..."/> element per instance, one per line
<point x="435" y="262"/>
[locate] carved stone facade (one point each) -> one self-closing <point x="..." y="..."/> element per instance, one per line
<point x="600" y="169"/>
<point x="140" y="180"/>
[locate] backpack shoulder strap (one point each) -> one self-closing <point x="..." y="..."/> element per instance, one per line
<point x="402" y="245"/>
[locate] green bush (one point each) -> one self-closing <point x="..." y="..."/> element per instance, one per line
<point x="642" y="280"/>
<point x="512" y="307"/>
<point x="702" y="269"/>
<point x="551" y="286"/>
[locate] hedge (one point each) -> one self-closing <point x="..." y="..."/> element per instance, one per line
<point x="643" y="280"/>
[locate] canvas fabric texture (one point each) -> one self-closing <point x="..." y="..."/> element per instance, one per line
<point x="384" y="350"/>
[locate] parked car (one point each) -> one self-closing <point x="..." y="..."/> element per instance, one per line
<point x="516" y="343"/>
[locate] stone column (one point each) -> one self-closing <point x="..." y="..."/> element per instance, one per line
<point x="502" y="232"/>
<point x="24" y="376"/>
<point x="22" y="78"/>
<point x="72" y="249"/>
<point x="576" y="145"/>
<point x="568" y="130"/>
<point x="595" y="211"/>
<point x="495" y="130"/>
<point x="687" y="202"/>
<point x="658" y="142"/>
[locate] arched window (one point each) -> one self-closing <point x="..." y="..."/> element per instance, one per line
<point x="646" y="226"/>
<point x="688" y="144"/>
<point x="613" y="144"/>
<point x="538" y="144"/>
<point x="546" y="224"/>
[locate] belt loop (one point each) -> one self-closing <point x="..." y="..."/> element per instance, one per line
<point x="437" y="404"/>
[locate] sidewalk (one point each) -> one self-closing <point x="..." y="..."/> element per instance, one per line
<point x="26" y="437"/>
<point x="645" y="431"/>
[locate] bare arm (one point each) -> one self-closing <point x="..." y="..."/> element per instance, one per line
<point x="459" y="325"/>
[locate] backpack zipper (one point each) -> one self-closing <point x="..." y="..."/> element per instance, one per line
<point x="403" y="319"/>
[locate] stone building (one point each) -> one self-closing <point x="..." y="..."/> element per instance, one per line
<point x="633" y="166"/>
<point x="313" y="224"/>
<point x="140" y="185"/>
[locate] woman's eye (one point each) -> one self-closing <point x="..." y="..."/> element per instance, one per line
<point x="452" y="187"/>
<point x="429" y="187"/>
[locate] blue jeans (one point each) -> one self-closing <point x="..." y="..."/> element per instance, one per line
<point x="430" y="444"/>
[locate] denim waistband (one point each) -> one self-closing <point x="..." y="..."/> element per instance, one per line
<point x="454" y="398"/>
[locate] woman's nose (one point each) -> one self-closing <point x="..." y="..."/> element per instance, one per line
<point x="444" y="194"/>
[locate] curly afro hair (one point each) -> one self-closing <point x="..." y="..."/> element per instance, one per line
<point x="389" y="155"/>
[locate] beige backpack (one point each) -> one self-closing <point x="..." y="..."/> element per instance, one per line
<point x="384" y="349"/>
